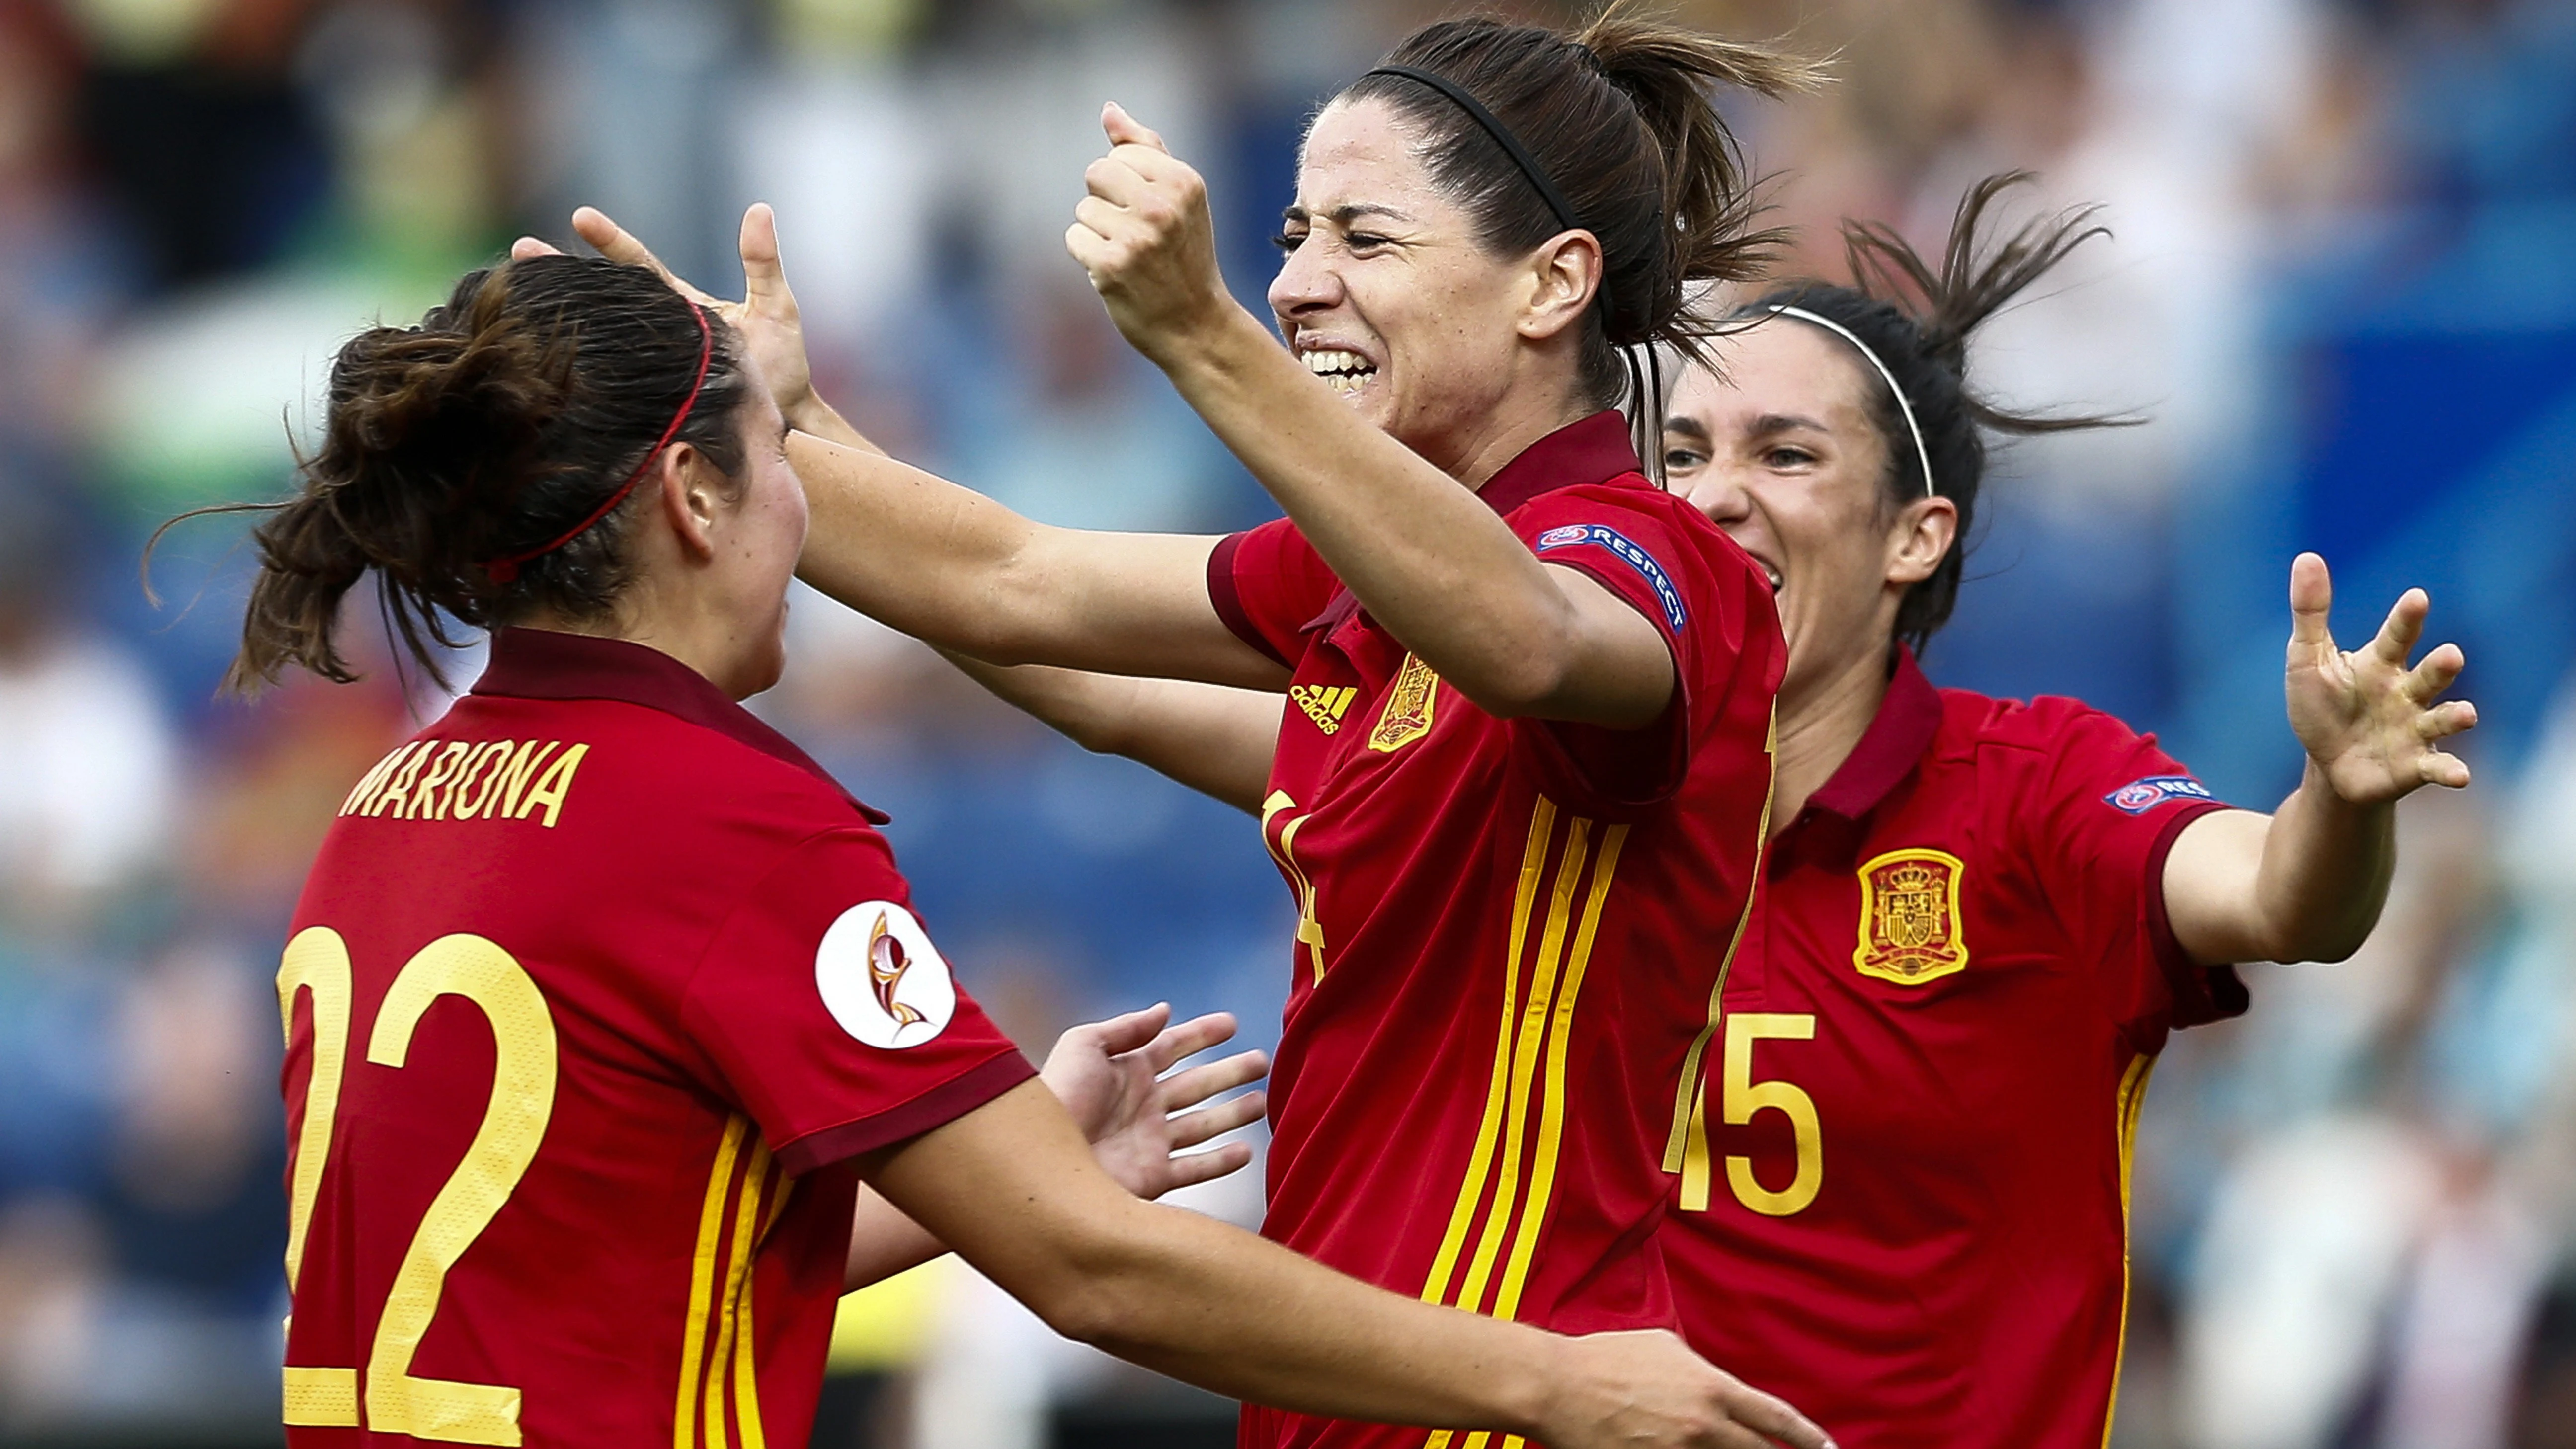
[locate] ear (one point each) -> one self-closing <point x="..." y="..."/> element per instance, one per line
<point x="1565" y="275"/>
<point x="690" y="499"/>
<point x="1921" y="536"/>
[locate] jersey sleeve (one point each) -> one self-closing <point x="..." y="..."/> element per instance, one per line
<point x="2111" y="806"/>
<point x="1267" y="584"/>
<point x="1698" y="592"/>
<point x="826" y="1014"/>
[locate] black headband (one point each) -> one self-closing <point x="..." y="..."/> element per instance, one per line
<point x="1503" y="137"/>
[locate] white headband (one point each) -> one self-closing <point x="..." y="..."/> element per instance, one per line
<point x="1921" y="453"/>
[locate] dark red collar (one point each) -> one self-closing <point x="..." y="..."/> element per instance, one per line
<point x="1594" y="450"/>
<point x="545" y="664"/>
<point x="1907" y="719"/>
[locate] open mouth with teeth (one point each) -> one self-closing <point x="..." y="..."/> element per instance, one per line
<point x="1344" y="372"/>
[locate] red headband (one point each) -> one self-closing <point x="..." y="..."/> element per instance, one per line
<point x="504" y="570"/>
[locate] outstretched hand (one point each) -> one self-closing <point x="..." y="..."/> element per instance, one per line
<point x="1109" y="1075"/>
<point x="1145" y="235"/>
<point x="2372" y="725"/>
<point x="766" y="317"/>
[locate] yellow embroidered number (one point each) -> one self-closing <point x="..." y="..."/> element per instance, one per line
<point x="514" y="1124"/>
<point x="1744" y="1097"/>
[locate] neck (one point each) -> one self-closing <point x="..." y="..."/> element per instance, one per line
<point x="695" y="639"/>
<point x="1820" y="725"/>
<point x="1507" y="430"/>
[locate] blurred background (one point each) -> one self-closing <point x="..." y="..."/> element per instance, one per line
<point x="2344" y="287"/>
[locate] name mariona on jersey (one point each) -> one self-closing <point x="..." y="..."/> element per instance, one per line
<point x="468" y="780"/>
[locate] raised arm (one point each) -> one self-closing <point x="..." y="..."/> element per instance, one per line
<point x="2306" y="883"/>
<point x="944" y="563"/>
<point x="1436" y="566"/>
<point x="1010" y="1186"/>
<point x="1140" y="1123"/>
<point x="1215" y="739"/>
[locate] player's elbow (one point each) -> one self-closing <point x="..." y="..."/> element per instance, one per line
<point x="1524" y="677"/>
<point x="1098" y="1300"/>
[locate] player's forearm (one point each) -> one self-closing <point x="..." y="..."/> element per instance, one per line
<point x="883" y="1242"/>
<point x="1425" y="556"/>
<point x="2325" y="871"/>
<point x="810" y="414"/>
<point x="1214" y="739"/>
<point x="910" y="549"/>
<point x="1213" y="1306"/>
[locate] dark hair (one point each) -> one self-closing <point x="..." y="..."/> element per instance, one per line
<point x="503" y="420"/>
<point x="1617" y="116"/>
<point x="1927" y="351"/>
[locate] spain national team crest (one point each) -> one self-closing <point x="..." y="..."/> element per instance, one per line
<point x="1909" y="917"/>
<point x="1409" y="703"/>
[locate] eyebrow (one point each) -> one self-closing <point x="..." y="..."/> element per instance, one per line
<point x="1689" y="427"/>
<point x="1770" y="423"/>
<point x="1345" y="214"/>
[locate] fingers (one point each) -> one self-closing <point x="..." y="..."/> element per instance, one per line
<point x="1198" y="1167"/>
<point x="2451" y="717"/>
<point x="1198" y="1084"/>
<point x="1125" y="130"/>
<point x="528" y="246"/>
<point x="2403" y="627"/>
<point x="2311" y="599"/>
<point x="2426" y="681"/>
<point x="1097" y="216"/>
<point x="1757" y="1410"/>
<point x="620" y="245"/>
<point x="2449" y="771"/>
<point x="1188" y="1039"/>
<point x="1192" y="1128"/>
<point x="1120" y="1035"/>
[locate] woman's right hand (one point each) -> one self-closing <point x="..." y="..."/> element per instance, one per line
<point x="1632" y="1390"/>
<point x="766" y="317"/>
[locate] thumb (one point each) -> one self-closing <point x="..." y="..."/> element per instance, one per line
<point x="1124" y="129"/>
<point x="1120" y="1035"/>
<point x="2311" y="598"/>
<point x="762" y="274"/>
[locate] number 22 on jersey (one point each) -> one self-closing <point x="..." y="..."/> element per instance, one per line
<point x="514" y="1124"/>
<point x="1742" y="1096"/>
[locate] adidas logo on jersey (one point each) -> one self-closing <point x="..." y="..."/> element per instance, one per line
<point x="1324" y="706"/>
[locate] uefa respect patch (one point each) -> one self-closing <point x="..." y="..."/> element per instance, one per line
<point x="1627" y="552"/>
<point x="2140" y="796"/>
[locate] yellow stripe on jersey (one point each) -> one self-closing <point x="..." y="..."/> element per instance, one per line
<point x="1533" y="870"/>
<point x="1552" y="1112"/>
<point x="746" y="1230"/>
<point x="1525" y="1054"/>
<point x="693" y="1338"/>
<point x="1686" y="1143"/>
<point x="2132" y="1100"/>
<point x="1529" y="1065"/>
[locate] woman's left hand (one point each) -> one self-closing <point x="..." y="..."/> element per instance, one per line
<point x="1109" y="1075"/>
<point x="2372" y="726"/>
<point x="1145" y="236"/>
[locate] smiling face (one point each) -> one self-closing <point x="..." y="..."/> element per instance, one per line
<point x="1386" y="294"/>
<point x="1782" y="453"/>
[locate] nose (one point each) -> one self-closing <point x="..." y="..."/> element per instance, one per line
<point x="1718" y="490"/>
<point x="1307" y="281"/>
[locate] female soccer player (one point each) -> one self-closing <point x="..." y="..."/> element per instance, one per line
<point x="1523" y="779"/>
<point x="1903" y="1199"/>
<point x="603" y="999"/>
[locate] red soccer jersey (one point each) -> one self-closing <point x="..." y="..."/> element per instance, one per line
<point x="1904" y="1206"/>
<point x="594" y="990"/>
<point x="1503" y="955"/>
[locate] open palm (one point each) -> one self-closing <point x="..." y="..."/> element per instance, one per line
<point x="2372" y="725"/>
<point x="1109" y="1075"/>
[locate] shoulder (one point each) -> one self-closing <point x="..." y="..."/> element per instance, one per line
<point x="2062" y="747"/>
<point x="1654" y="534"/>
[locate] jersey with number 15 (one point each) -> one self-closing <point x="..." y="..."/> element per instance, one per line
<point x="594" y="992"/>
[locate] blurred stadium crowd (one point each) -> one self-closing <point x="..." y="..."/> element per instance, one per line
<point x="2343" y="287"/>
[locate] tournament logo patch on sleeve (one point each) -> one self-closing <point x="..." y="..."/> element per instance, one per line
<point x="881" y="978"/>
<point x="1627" y="552"/>
<point x="2140" y="796"/>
